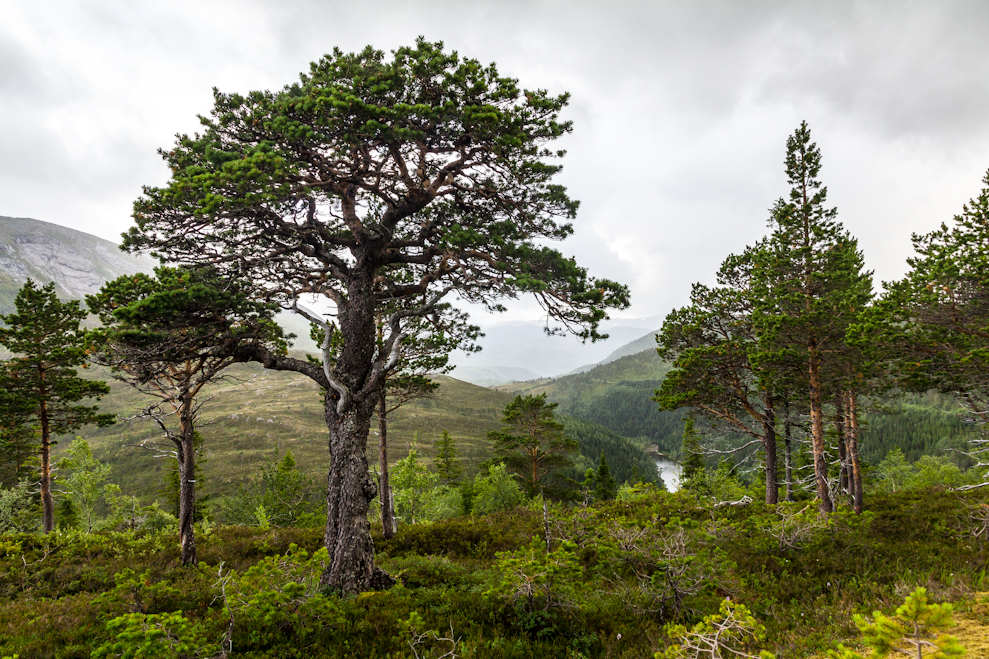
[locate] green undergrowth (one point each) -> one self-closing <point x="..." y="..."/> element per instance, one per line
<point x="615" y="579"/>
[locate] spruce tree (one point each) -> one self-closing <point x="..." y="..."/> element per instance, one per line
<point x="605" y="487"/>
<point x="47" y="343"/>
<point x="692" y="457"/>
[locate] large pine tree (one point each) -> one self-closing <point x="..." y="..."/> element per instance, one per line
<point x="377" y="183"/>
<point x="808" y="284"/>
<point x="48" y="345"/>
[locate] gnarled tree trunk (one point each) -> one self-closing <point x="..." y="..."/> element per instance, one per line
<point x="186" y="454"/>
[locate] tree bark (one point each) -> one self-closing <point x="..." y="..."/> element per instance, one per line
<point x="769" y="443"/>
<point x="186" y="454"/>
<point x="387" y="519"/>
<point x="788" y="449"/>
<point x="825" y="505"/>
<point x="853" y="453"/>
<point x="48" y="503"/>
<point x="350" y="488"/>
<point x="840" y="428"/>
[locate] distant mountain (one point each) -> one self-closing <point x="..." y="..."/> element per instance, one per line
<point x="487" y="376"/>
<point x="78" y="263"/>
<point x="641" y="344"/>
<point x="617" y="395"/>
<point x="524" y="345"/>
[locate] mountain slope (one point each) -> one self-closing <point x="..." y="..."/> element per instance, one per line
<point x="617" y="395"/>
<point x="78" y="263"/>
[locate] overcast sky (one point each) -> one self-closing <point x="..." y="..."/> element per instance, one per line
<point x="681" y="109"/>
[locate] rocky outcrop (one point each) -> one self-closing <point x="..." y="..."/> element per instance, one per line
<point x="78" y="263"/>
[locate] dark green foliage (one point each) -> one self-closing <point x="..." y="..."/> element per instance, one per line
<point x="532" y="443"/>
<point x="618" y="396"/>
<point x="445" y="460"/>
<point x="57" y="594"/>
<point x="625" y="457"/>
<point x="278" y="496"/>
<point x="605" y="487"/>
<point x="692" y="458"/>
<point x="48" y="345"/>
<point x="41" y="387"/>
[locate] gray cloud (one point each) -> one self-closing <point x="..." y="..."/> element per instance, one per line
<point x="681" y="110"/>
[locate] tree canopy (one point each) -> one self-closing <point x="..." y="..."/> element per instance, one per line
<point x="380" y="184"/>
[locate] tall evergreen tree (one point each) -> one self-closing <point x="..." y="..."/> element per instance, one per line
<point x="532" y="443"/>
<point x="445" y="461"/>
<point x="710" y="344"/>
<point x="605" y="487"/>
<point x="935" y="321"/>
<point x="169" y="336"/>
<point x="808" y="282"/>
<point x="48" y="344"/>
<point x="692" y="456"/>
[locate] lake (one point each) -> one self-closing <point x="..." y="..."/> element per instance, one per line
<point x="669" y="471"/>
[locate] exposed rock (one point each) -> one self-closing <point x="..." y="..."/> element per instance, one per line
<point x="78" y="263"/>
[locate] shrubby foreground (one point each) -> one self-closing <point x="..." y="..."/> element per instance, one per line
<point x="616" y="579"/>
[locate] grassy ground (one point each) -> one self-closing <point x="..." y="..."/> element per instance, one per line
<point x="257" y="415"/>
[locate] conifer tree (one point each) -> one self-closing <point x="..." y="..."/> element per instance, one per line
<point x="808" y="283"/>
<point x="48" y="344"/>
<point x="605" y="487"/>
<point x="376" y="181"/>
<point x="711" y="345"/>
<point x="171" y="335"/>
<point x="532" y="443"/>
<point x="445" y="462"/>
<point x="935" y="321"/>
<point x="692" y="456"/>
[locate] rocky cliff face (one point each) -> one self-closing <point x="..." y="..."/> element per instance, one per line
<point x="78" y="263"/>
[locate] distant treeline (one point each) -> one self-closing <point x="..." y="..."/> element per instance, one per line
<point x="919" y="425"/>
<point x="626" y="459"/>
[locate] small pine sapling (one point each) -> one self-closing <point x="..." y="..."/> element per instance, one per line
<point x="914" y="631"/>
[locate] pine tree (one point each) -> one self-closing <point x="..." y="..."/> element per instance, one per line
<point x="808" y="283"/>
<point x="532" y="443"/>
<point x="445" y="462"/>
<point x="711" y="344"/>
<point x="169" y="336"/>
<point x="48" y="344"/>
<point x="377" y="181"/>
<point x="605" y="487"/>
<point x="935" y="321"/>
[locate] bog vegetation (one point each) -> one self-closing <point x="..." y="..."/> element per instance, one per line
<point x="832" y="439"/>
